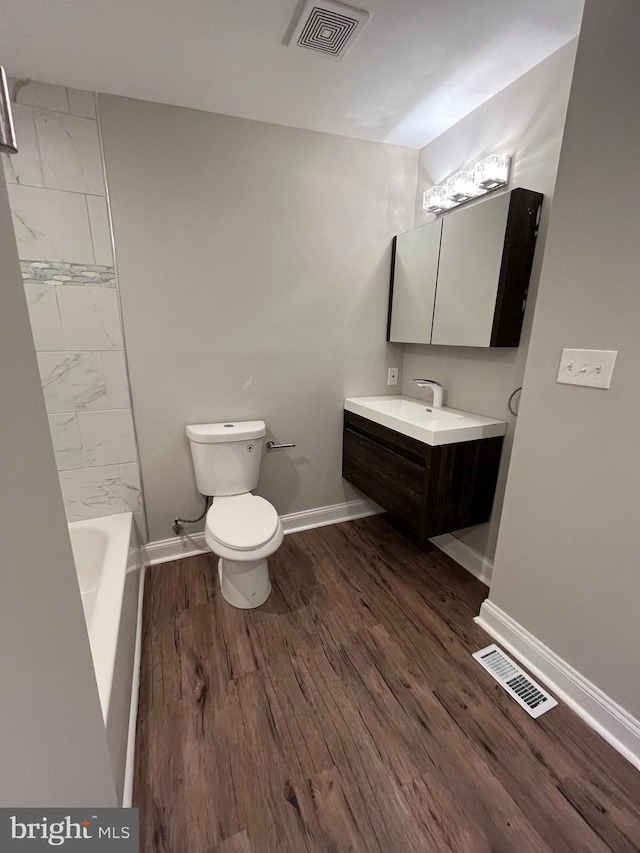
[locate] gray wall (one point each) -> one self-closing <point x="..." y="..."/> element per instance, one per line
<point x="567" y="565"/>
<point x="52" y="738"/>
<point x="526" y="119"/>
<point x="253" y="262"/>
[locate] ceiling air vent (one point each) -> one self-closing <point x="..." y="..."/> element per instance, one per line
<point x="515" y="681"/>
<point x="328" y="28"/>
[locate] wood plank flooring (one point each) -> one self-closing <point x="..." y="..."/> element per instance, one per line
<point x="347" y="714"/>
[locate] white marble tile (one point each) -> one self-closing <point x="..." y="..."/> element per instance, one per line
<point x="90" y="318"/>
<point x="72" y="381"/>
<point x="107" y="437"/>
<point x="91" y="492"/>
<point x="131" y="488"/>
<point x="100" y="230"/>
<point x="51" y="225"/>
<point x="81" y="103"/>
<point x="44" y="316"/>
<point x="67" y="443"/>
<point x="24" y="167"/>
<point x="69" y="152"/>
<point x="115" y="375"/>
<point x="44" y="95"/>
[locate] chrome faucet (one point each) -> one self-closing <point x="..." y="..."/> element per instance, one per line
<point x="436" y="388"/>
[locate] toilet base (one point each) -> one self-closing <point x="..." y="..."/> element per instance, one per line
<point x="244" y="584"/>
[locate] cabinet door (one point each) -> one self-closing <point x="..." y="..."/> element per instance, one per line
<point x="414" y="284"/>
<point x="470" y="260"/>
<point x="392" y="479"/>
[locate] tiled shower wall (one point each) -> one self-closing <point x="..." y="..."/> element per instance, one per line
<point x="58" y="200"/>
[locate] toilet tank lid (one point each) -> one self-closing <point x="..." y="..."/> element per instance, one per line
<point x="227" y="431"/>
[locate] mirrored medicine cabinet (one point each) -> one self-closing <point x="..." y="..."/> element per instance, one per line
<point x="463" y="279"/>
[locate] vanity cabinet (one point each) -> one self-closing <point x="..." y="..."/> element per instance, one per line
<point x="429" y="490"/>
<point x="463" y="280"/>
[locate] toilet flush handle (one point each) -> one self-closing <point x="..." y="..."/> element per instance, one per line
<point x="273" y="446"/>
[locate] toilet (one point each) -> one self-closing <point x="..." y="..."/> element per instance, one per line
<point x="242" y="529"/>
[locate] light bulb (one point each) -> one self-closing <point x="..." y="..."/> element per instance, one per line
<point x="436" y="200"/>
<point x="492" y="172"/>
<point x="462" y="186"/>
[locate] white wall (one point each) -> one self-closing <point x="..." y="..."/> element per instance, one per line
<point x="567" y="564"/>
<point x="253" y="262"/>
<point x="52" y="739"/>
<point x="526" y="120"/>
<point x="58" y="198"/>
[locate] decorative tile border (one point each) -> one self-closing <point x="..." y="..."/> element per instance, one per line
<point x="55" y="272"/>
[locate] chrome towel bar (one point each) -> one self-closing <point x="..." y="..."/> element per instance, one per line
<point x="8" y="144"/>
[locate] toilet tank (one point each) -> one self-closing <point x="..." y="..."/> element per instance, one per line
<point x="226" y="457"/>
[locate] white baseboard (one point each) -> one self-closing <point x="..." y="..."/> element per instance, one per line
<point x="177" y="547"/>
<point x="324" y="515"/>
<point x="127" y="794"/>
<point x="473" y="561"/>
<point x="601" y="713"/>
<point x="174" y="548"/>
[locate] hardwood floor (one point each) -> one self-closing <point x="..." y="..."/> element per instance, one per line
<point x="347" y="714"/>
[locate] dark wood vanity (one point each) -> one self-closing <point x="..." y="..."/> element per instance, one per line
<point x="429" y="490"/>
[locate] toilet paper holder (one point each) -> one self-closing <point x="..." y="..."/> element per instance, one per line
<point x="271" y="445"/>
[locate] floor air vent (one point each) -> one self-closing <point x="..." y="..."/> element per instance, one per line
<point x="515" y="681"/>
<point x="328" y="27"/>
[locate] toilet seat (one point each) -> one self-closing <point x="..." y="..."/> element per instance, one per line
<point x="242" y="522"/>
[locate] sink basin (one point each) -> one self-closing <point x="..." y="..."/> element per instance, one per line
<point x="416" y="419"/>
<point x="414" y="411"/>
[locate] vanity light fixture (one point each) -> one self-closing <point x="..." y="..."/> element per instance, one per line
<point x="488" y="175"/>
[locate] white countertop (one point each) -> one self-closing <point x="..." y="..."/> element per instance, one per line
<point x="416" y="419"/>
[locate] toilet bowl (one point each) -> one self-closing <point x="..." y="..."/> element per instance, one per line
<point x="243" y="531"/>
<point x="241" y="528"/>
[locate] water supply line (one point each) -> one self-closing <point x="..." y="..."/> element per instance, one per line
<point x="179" y="522"/>
<point x="510" y="403"/>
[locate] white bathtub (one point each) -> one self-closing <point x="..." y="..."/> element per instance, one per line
<point x="107" y="558"/>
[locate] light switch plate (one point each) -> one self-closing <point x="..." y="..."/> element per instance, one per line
<point x="592" y="368"/>
<point x="392" y="376"/>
